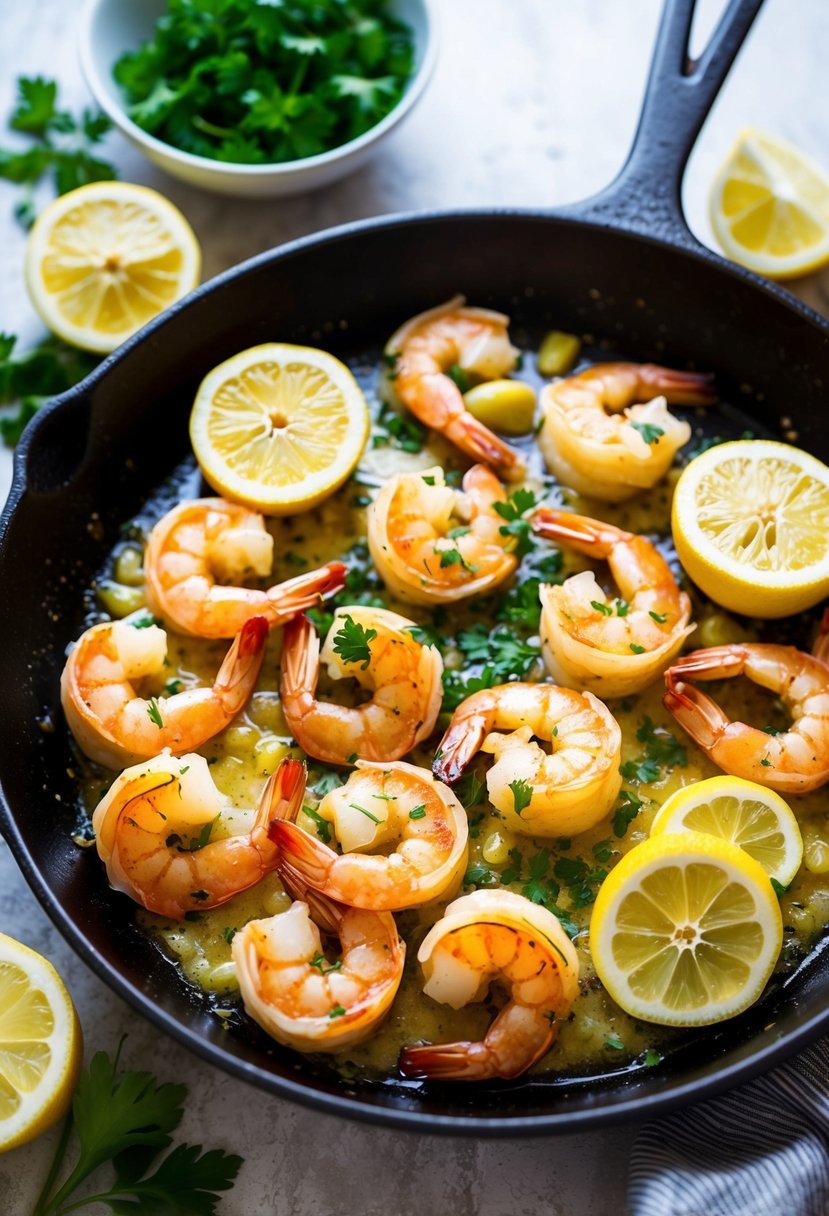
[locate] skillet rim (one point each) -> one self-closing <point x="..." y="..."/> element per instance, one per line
<point x="366" y="1110"/>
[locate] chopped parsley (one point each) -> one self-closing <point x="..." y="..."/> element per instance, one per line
<point x="650" y="433"/>
<point x="652" y="1057"/>
<point x="662" y="751"/>
<point x="337" y="1012"/>
<point x="356" y="806"/>
<point x="514" y="511"/>
<point x="351" y="642"/>
<point x="454" y="557"/>
<point x="470" y="790"/>
<point x="172" y="687"/>
<point x="636" y="648"/>
<point x="459" y="377"/>
<point x="418" y="812"/>
<point x="629" y="807"/>
<point x="659" y="617"/>
<point x="154" y="713"/>
<point x="323" y="966"/>
<point x="605" y="609"/>
<point x="522" y="795"/>
<point x="614" y="1043"/>
<point x="322" y="826"/>
<point x="228" y="934"/>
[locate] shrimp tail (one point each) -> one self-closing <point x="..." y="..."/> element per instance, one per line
<point x="448" y="1062"/>
<point x="305" y="591"/>
<point x="680" y="388"/>
<point x="238" y="673"/>
<point x="302" y="858"/>
<point x="300" y="660"/>
<point x="477" y="440"/>
<point x="696" y="713"/>
<point x="713" y="663"/>
<point x="457" y="747"/>
<point x="585" y="535"/>
<point x="326" y="913"/>
<point x="283" y="794"/>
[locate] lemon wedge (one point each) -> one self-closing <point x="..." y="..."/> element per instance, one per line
<point x="742" y="812"/>
<point x="686" y="930"/>
<point x="769" y="207"/>
<point x="279" y="427"/>
<point x="106" y="258"/>
<point x="750" y="522"/>
<point x="41" y="1047"/>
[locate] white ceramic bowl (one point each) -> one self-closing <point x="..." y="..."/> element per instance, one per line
<point x="111" y="27"/>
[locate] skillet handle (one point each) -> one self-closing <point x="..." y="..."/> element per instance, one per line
<point x="645" y="197"/>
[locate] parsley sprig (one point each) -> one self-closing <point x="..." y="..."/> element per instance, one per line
<point x="515" y="510"/>
<point x="63" y="145"/>
<point x="503" y="654"/>
<point x="259" y="83"/>
<point x="351" y="642"/>
<point x="127" y="1119"/>
<point x="662" y="751"/>
<point x="29" y="379"/>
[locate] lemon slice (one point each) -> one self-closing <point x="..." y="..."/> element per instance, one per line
<point x="106" y="258"/>
<point x="685" y="930"/>
<point x="742" y="812"/>
<point x="769" y="207"/>
<point x="279" y="427"/>
<point x="41" y="1047"/>
<point x="750" y="521"/>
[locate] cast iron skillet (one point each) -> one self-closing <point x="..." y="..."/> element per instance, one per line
<point x="623" y="266"/>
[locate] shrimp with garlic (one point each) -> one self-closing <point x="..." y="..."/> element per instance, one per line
<point x="376" y="648"/>
<point x="403" y="835"/>
<point x="475" y="340"/>
<point x="200" y="552"/>
<point x="153" y="829"/>
<point x="794" y="761"/>
<point x="615" y="646"/>
<point x="496" y="937"/>
<point x="539" y="793"/>
<point x="115" y="726"/>
<point x="433" y="544"/>
<point x="596" y="439"/>
<point x="302" y="997"/>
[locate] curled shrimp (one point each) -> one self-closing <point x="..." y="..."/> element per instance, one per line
<point x="496" y="937"/>
<point x="150" y="828"/>
<point x="208" y="539"/>
<point x="604" y="453"/>
<point x="794" y="761"/>
<point x="298" y="994"/>
<point x="433" y="544"/>
<point x="382" y="655"/>
<point x="410" y="830"/>
<point x="115" y="726"/>
<point x="426" y="347"/>
<point x="610" y="646"/>
<point x="557" y="793"/>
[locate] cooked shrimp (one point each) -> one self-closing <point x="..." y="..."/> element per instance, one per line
<point x="209" y="539"/>
<point x="795" y="761"/>
<point x="432" y="544"/>
<point x="426" y="347"/>
<point x="376" y="648"/>
<point x="301" y="997"/>
<point x="610" y="646"/>
<point x="115" y="726"/>
<point x="151" y="824"/>
<point x="559" y="793"/>
<point x="496" y="936"/>
<point x="410" y="830"/>
<point x="604" y="453"/>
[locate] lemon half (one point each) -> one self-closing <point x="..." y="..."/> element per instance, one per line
<point x="750" y="522"/>
<point x="41" y="1047"/>
<point x="769" y="207"/>
<point x="106" y="258"/>
<point x="279" y="427"/>
<point x="742" y="812"/>
<point x="685" y="930"/>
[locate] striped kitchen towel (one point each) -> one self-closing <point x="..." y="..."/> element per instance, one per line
<point x="761" y="1150"/>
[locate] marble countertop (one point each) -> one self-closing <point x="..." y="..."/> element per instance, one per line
<point x="534" y="103"/>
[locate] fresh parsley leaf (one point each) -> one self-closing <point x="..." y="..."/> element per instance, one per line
<point x="154" y="713"/>
<point x="605" y="609"/>
<point x="426" y="635"/>
<point x="662" y="751"/>
<point x="650" y="433"/>
<point x="323" y="966"/>
<point x="351" y="642"/>
<point x="514" y="511"/>
<point x="64" y="144"/>
<point x="322" y="826"/>
<point x="629" y="807"/>
<point x="459" y="377"/>
<point x="652" y="1057"/>
<point x="127" y="1120"/>
<point x="470" y="789"/>
<point x="522" y="795"/>
<point x="418" y="812"/>
<point x="454" y="557"/>
<point x="659" y="617"/>
<point x="614" y="1043"/>
<point x="479" y="875"/>
<point x="29" y="379"/>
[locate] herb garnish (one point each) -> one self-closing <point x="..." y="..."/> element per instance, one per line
<point x="154" y="713"/>
<point x="126" y="1120"/>
<point x="661" y="750"/>
<point x="323" y="966"/>
<point x="351" y="642"/>
<point x="522" y="794"/>
<point x="28" y="380"/>
<point x="323" y="827"/>
<point x="514" y="511"/>
<point x="650" y="433"/>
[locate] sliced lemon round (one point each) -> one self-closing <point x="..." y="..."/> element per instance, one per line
<point x="279" y="427"/>
<point x="750" y="521"/>
<point x="769" y="207"/>
<point x="103" y="260"/>
<point x="742" y="812"/>
<point x="41" y="1046"/>
<point x="686" y="930"/>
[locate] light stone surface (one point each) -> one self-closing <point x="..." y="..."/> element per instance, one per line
<point x="534" y="103"/>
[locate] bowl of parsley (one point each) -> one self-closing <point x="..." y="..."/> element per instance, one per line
<point x="255" y="98"/>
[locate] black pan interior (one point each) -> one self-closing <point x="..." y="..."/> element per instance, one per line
<point x="89" y="463"/>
